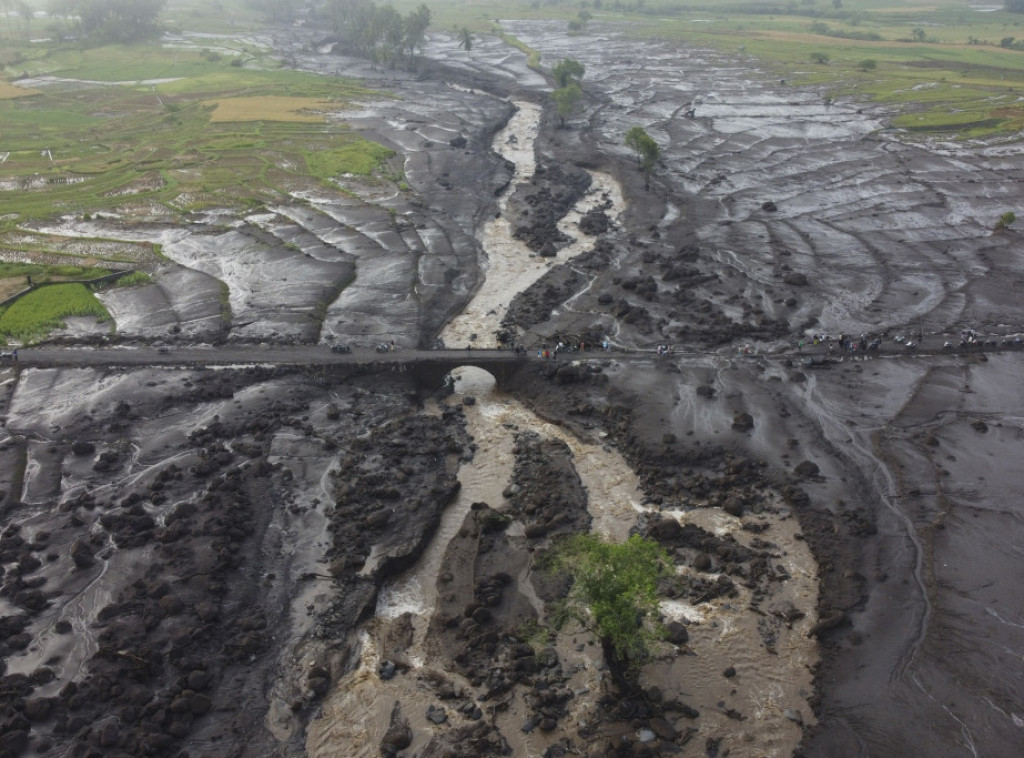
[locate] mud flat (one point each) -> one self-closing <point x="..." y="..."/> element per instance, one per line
<point x="777" y="217"/>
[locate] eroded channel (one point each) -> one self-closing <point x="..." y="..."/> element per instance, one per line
<point x="511" y="266"/>
<point x="403" y="679"/>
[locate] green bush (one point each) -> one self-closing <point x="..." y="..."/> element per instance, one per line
<point x="134" y="279"/>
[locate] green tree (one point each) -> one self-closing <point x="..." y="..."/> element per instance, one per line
<point x="649" y="154"/>
<point x="614" y="594"/>
<point x="1005" y="220"/>
<point x="633" y="140"/>
<point x="567" y="100"/>
<point x="416" y="24"/>
<point x="646" y="150"/>
<point x="917" y="34"/>
<point x="868" y="64"/>
<point x="465" y="39"/>
<point x="111" y="20"/>
<point x="821" y="58"/>
<point x="567" y="71"/>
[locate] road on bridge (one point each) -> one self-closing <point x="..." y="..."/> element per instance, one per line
<point x="320" y="355"/>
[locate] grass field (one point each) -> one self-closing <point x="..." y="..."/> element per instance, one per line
<point x="165" y="127"/>
<point x="35" y="315"/>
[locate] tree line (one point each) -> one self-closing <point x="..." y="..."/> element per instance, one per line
<point x="379" y="32"/>
<point x="105" y="21"/>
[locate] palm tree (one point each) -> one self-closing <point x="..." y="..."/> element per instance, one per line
<point x="465" y="39"/>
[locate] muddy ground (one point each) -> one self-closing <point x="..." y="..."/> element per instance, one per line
<point x="189" y="554"/>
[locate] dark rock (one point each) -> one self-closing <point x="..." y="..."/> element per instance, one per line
<point x="733" y="506"/>
<point x="742" y="422"/>
<point x="198" y="680"/>
<point x="676" y="633"/>
<point x="806" y="469"/>
<point x="796" y="279"/>
<point x="38" y="709"/>
<point x="81" y="554"/>
<point x="81" y="447"/>
<point x="319" y="685"/>
<point x="769" y="206"/>
<point x="827" y="621"/>
<point x="398" y="736"/>
<point x="436" y="714"/>
<point x="13" y="742"/>
<point x="729" y="673"/>
<point x="663" y="729"/>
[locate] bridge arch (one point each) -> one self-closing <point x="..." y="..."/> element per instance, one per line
<point x="430" y="373"/>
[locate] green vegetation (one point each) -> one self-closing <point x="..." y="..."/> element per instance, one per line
<point x="32" y="317"/>
<point x="568" y="71"/>
<point x="613" y="593"/>
<point x="379" y="32"/>
<point x="567" y="94"/>
<point x="41" y="274"/>
<point x="358" y="157"/>
<point x="1006" y="220"/>
<point x="99" y="21"/>
<point x="212" y="135"/>
<point x="134" y="279"/>
<point x="532" y="56"/>
<point x="646" y="150"/>
<point x="567" y="100"/>
<point x="17" y="277"/>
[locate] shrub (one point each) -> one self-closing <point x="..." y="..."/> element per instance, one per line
<point x="821" y="58"/>
<point x="614" y="593"/>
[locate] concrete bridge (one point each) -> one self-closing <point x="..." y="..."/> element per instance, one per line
<point x="428" y="367"/>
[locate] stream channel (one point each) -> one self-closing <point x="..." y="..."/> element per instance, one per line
<point x="775" y="683"/>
